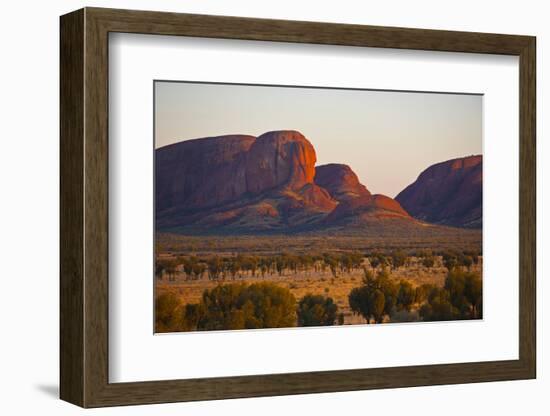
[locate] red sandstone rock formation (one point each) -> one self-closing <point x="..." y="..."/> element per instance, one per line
<point x="449" y="193"/>
<point x="240" y="183"/>
<point x="280" y="158"/>
<point x="340" y="181"/>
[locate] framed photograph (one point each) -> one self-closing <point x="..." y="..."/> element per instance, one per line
<point x="255" y="207"/>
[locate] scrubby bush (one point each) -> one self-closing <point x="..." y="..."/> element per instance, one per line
<point x="378" y="260"/>
<point x="450" y="260"/>
<point x="398" y="259"/>
<point x="474" y="294"/>
<point x="405" y="295"/>
<point x="159" y="269"/>
<point x="439" y="307"/>
<point x="166" y="317"/>
<point x="166" y="266"/>
<point x="241" y="265"/>
<point x="316" y="310"/>
<point x="422" y="292"/>
<point x="458" y="259"/>
<point x="241" y="306"/>
<point x="428" y="261"/>
<point x="460" y="298"/>
<point x="467" y="261"/>
<point x="404" y="315"/>
<point x="380" y="296"/>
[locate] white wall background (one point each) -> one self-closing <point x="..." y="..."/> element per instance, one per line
<point x="29" y="211"/>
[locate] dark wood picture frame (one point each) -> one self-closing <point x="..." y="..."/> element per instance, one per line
<point x="84" y="207"/>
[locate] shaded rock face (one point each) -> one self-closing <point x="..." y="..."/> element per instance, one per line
<point x="207" y="172"/>
<point x="356" y="203"/>
<point x="240" y="183"/>
<point x="202" y="172"/>
<point x="366" y="208"/>
<point x="448" y="193"/>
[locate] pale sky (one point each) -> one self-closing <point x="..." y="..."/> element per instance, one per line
<point x="387" y="137"/>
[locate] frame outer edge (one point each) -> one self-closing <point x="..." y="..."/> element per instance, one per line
<point x="96" y="218"/>
<point x="72" y="297"/>
<point x="84" y="208"/>
<point x="528" y="208"/>
<point x="294" y="31"/>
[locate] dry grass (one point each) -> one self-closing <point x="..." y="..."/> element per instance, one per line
<point x="317" y="283"/>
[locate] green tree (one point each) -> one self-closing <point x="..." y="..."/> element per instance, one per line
<point x="422" y="292"/>
<point x="377" y="304"/>
<point x="242" y="306"/>
<point x="459" y="298"/>
<point x="376" y="298"/>
<point x="359" y="301"/>
<point x="438" y="307"/>
<point x="473" y="293"/>
<point x="316" y="310"/>
<point x="389" y="288"/>
<point x="193" y="315"/>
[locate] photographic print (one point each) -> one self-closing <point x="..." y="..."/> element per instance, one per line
<point x="289" y="206"/>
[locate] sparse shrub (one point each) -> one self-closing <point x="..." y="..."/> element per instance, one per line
<point x="378" y="259"/>
<point x="428" y="261"/>
<point x="374" y="262"/>
<point x="332" y="263"/>
<point x="398" y="258"/>
<point x="450" y="260"/>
